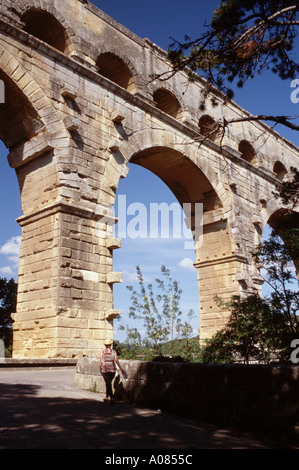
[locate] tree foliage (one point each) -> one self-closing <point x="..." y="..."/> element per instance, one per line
<point x="8" y="298"/>
<point x="253" y="332"/>
<point x="262" y="329"/>
<point x="275" y="259"/>
<point x="160" y="313"/>
<point x="289" y="191"/>
<point x="243" y="39"/>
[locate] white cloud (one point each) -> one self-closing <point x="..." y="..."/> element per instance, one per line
<point x="6" y="271"/>
<point x="11" y="250"/>
<point x="130" y="277"/>
<point x="11" y="247"/>
<point x="187" y="263"/>
<point x="14" y="260"/>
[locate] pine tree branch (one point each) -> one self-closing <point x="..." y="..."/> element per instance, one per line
<point x="284" y="120"/>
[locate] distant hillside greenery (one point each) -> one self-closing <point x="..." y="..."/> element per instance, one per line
<point x="179" y="350"/>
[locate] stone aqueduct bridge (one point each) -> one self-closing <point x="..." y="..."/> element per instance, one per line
<point x="80" y="104"/>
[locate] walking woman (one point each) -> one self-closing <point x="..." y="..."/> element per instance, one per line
<point x="108" y="364"/>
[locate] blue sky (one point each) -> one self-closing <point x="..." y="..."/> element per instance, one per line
<point x="157" y="20"/>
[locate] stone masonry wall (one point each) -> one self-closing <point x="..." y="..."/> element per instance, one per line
<point x="262" y="399"/>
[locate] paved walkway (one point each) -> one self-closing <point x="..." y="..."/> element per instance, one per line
<point x="42" y="409"/>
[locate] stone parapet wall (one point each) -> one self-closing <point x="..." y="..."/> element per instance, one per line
<point x="262" y="399"/>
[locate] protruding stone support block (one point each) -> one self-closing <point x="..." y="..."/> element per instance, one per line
<point x="114" y="145"/>
<point x="72" y="123"/>
<point x="113" y="243"/>
<point x="114" y="278"/>
<point x="117" y="117"/>
<point x="66" y="93"/>
<point x="112" y="314"/>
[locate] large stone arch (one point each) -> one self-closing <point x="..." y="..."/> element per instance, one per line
<point x="40" y="138"/>
<point x="27" y="85"/>
<point x="121" y="153"/>
<point x="193" y="180"/>
<point x="35" y="157"/>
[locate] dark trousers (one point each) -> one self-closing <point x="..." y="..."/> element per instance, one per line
<point x="108" y="377"/>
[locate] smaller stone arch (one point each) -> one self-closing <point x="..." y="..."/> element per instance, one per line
<point x="51" y="21"/>
<point x="166" y="101"/>
<point x="247" y="152"/>
<point x="208" y="127"/>
<point x="47" y="28"/>
<point x="280" y="171"/>
<point x="111" y="66"/>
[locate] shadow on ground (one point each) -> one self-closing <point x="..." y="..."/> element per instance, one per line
<point x="30" y="421"/>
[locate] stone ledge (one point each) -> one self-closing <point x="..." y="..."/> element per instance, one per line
<point x="15" y="363"/>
